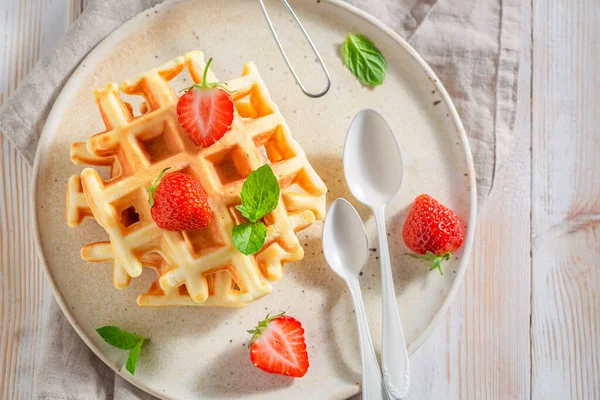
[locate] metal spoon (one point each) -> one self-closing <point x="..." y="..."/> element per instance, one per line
<point x="345" y="247"/>
<point x="373" y="169"/>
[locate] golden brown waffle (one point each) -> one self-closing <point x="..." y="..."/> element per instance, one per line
<point x="200" y="267"/>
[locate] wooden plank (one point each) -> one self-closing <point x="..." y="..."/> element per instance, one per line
<point x="481" y="349"/>
<point x="30" y="30"/>
<point x="482" y="338"/>
<point x="566" y="200"/>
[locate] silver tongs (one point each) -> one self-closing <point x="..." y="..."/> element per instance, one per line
<point x="287" y="60"/>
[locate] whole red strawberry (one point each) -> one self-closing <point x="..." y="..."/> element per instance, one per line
<point x="178" y="202"/>
<point x="432" y="230"/>
<point x="278" y="346"/>
<point x="205" y="111"/>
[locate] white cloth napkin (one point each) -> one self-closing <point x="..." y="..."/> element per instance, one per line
<point x="472" y="46"/>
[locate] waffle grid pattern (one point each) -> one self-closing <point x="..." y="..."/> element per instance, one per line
<point x="200" y="267"/>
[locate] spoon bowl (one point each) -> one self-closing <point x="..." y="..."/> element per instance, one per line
<point x="372" y="159"/>
<point x="345" y="242"/>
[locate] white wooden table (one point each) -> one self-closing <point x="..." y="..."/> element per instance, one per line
<point x="526" y="321"/>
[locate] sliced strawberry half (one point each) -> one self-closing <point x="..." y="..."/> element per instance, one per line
<point x="205" y="111"/>
<point x="278" y="346"/>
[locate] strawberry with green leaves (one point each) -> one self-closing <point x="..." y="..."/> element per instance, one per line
<point x="278" y="346"/>
<point x="179" y="203"/>
<point x="432" y="230"/>
<point x="205" y="111"/>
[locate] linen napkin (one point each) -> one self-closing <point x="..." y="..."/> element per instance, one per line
<point x="472" y="46"/>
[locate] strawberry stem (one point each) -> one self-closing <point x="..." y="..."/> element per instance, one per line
<point x="436" y="260"/>
<point x="207" y="85"/>
<point x="205" y="73"/>
<point x="152" y="188"/>
<point x="262" y="325"/>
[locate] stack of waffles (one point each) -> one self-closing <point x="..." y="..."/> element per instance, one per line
<point x="200" y="267"/>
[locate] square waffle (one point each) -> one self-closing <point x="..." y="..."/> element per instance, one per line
<point x="200" y="267"/>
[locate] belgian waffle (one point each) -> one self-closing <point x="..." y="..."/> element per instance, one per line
<point x="200" y="267"/>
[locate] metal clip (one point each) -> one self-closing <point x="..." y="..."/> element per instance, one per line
<point x="314" y="95"/>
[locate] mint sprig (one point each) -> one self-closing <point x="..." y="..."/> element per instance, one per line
<point x="364" y="59"/>
<point x="260" y="195"/>
<point x="124" y="340"/>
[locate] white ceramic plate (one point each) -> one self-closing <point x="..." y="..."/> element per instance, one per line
<point x="199" y="352"/>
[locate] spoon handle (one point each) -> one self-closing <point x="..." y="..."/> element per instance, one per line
<point x="394" y="358"/>
<point x="372" y="386"/>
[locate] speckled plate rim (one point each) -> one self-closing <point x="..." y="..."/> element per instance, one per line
<point x="54" y="118"/>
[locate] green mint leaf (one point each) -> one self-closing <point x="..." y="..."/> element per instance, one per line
<point x="260" y="194"/>
<point x="364" y="59"/>
<point x="244" y="211"/>
<point x="134" y="355"/>
<point x="119" y="338"/>
<point x="249" y="237"/>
